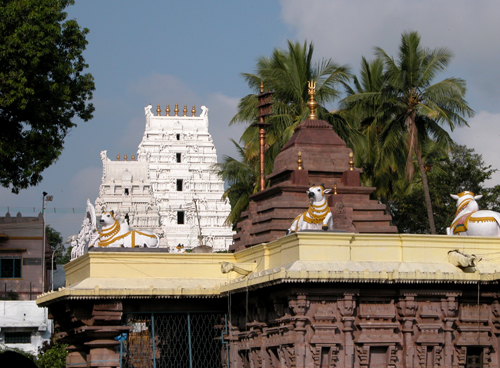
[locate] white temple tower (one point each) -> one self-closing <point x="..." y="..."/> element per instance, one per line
<point x="172" y="188"/>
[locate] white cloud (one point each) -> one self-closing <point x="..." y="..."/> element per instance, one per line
<point x="345" y="30"/>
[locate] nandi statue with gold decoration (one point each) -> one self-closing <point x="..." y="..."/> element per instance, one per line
<point x="116" y="234"/>
<point x="318" y="216"/>
<point x="469" y="220"/>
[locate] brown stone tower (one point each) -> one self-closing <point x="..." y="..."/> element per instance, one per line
<point x="325" y="159"/>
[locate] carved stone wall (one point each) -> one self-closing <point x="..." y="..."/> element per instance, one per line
<point x="365" y="328"/>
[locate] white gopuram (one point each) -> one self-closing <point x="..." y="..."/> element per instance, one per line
<point x="170" y="187"/>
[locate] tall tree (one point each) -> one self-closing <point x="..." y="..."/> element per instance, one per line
<point x="42" y="86"/>
<point x="461" y="170"/>
<point x="241" y="177"/>
<point x="55" y="240"/>
<point x="413" y="107"/>
<point x="285" y="73"/>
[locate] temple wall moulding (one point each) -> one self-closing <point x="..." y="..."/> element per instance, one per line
<point x="351" y="330"/>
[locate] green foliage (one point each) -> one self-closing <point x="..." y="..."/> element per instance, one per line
<point x="55" y="240"/>
<point x="285" y="73"/>
<point x="462" y="170"/>
<point x="52" y="355"/>
<point x="241" y="177"/>
<point x="404" y="107"/>
<point x="42" y="86"/>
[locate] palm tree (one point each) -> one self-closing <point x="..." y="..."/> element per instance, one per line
<point x="242" y="178"/>
<point x="413" y="108"/>
<point x="286" y="73"/>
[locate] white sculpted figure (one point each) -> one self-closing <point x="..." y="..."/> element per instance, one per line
<point x="114" y="234"/>
<point x="204" y="114"/>
<point x="318" y="216"/>
<point x="469" y="220"/>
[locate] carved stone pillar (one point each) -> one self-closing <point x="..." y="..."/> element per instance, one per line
<point x="299" y="307"/>
<point x="346" y="308"/>
<point x="449" y="308"/>
<point x="407" y="309"/>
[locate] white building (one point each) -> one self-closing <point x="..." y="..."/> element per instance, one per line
<point x="24" y="325"/>
<point x="170" y="186"/>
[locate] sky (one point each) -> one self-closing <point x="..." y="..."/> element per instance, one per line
<point x="193" y="52"/>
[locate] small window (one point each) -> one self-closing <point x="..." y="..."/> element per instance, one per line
<point x="178" y="136"/>
<point x="180" y="217"/>
<point x="178" y="157"/>
<point x="179" y="185"/>
<point x="18" y="337"/>
<point x="10" y="267"/>
<point x="126" y="191"/>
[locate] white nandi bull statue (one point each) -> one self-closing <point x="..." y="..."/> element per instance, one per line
<point x="318" y="216"/>
<point x="114" y="234"/>
<point x="469" y="220"/>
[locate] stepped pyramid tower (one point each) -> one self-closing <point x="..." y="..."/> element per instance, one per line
<point x="315" y="154"/>
<point x="170" y="187"/>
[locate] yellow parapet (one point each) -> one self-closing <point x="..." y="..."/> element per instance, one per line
<point x="299" y="257"/>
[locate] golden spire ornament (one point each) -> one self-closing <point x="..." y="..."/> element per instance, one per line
<point x="193" y="111"/>
<point x="168" y="110"/>
<point x="335" y="189"/>
<point x="158" y="111"/>
<point x="133" y="157"/>
<point x="185" y="111"/>
<point x="312" y="104"/>
<point x="176" y="110"/>
<point x="118" y="157"/>
<point x="125" y="157"/>
<point x="299" y="162"/>
<point x="351" y="161"/>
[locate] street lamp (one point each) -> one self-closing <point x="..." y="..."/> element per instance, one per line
<point x="46" y="198"/>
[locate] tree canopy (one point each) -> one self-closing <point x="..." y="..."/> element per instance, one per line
<point x="43" y="86"/>
<point x="410" y="107"/>
<point x="62" y="254"/>
<point x="461" y="170"/>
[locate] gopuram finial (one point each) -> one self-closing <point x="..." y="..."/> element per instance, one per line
<point x="185" y="111"/>
<point x="299" y="162"/>
<point x="193" y="111"/>
<point x="351" y="161"/>
<point x="176" y="110"/>
<point x="118" y="157"/>
<point x="158" y="111"/>
<point x="335" y="189"/>
<point x="261" y="87"/>
<point x="312" y="104"/>
<point x="168" y="110"/>
<point x="133" y="157"/>
<point x="125" y="157"/>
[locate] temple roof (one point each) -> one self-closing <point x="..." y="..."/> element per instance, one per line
<point x="299" y="258"/>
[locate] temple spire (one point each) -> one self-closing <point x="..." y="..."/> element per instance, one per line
<point x="312" y="104"/>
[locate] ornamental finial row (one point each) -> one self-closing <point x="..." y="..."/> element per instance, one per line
<point x="125" y="158"/>
<point x="176" y="110"/>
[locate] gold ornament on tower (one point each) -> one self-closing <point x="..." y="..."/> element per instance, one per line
<point x="312" y="104"/>
<point x="351" y="161"/>
<point x="125" y="157"/>
<point x="185" y="111"/>
<point x="168" y="110"/>
<point x="299" y="162"/>
<point x="118" y="157"/>
<point x="176" y="110"/>
<point x="158" y="111"/>
<point x="193" y="111"/>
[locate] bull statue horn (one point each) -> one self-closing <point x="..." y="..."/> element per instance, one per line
<point x="322" y="185"/>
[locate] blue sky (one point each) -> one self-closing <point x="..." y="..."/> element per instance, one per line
<point x="192" y="52"/>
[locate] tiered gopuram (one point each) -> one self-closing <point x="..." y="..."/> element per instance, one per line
<point x="171" y="187"/>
